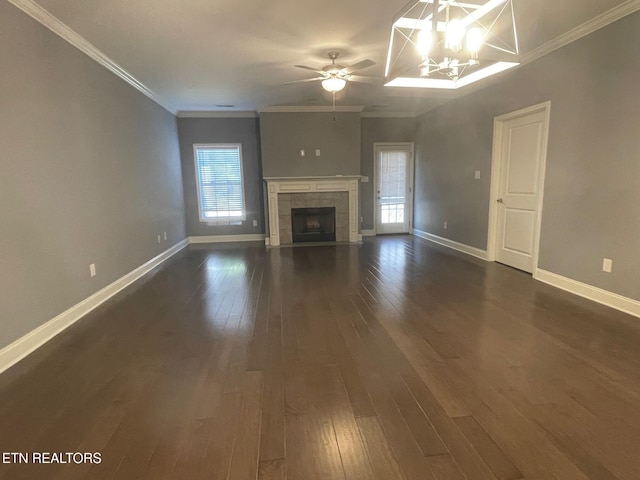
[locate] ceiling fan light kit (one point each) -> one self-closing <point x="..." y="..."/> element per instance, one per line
<point x="334" y="84"/>
<point x="449" y="44"/>
<point x="334" y="77"/>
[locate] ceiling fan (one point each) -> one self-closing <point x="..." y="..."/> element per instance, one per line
<point x="334" y="77"/>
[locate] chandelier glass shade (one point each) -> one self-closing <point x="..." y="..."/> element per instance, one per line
<point x="450" y="44"/>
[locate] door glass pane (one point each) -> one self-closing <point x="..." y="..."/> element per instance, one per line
<point x="393" y="186"/>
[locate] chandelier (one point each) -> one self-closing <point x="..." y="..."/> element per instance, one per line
<point x="450" y="44"/>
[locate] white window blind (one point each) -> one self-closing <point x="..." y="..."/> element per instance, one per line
<point x="220" y="185"/>
<point x="393" y="185"/>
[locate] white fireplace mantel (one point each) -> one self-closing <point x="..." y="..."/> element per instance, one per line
<point x="338" y="183"/>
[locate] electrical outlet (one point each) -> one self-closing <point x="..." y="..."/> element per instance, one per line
<point x="317" y="152"/>
<point x="159" y="240"/>
<point x="92" y="269"/>
<point x="255" y="223"/>
<point x="165" y="235"/>
<point x="445" y="225"/>
<point x="607" y="265"/>
<point x="477" y="175"/>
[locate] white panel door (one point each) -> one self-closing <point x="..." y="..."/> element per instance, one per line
<point x="522" y="153"/>
<point x="394" y="192"/>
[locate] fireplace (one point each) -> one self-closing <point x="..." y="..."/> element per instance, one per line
<point x="285" y="194"/>
<point x="313" y="224"/>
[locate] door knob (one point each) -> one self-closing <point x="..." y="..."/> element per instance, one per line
<point x="500" y="200"/>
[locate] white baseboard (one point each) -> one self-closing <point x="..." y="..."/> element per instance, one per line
<point x="16" y="351"/>
<point x="610" y="299"/>
<point x="368" y="233"/>
<point x="460" y="247"/>
<point x="227" y="238"/>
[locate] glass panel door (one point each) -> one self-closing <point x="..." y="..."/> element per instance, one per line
<point x="393" y="188"/>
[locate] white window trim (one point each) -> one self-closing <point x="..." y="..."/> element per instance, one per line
<point x="221" y="221"/>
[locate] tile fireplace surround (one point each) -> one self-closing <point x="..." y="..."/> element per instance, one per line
<point x="284" y="193"/>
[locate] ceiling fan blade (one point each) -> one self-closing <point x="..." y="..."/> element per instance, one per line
<point x="306" y="80"/>
<point x="359" y="66"/>
<point x="304" y="67"/>
<point x="360" y="78"/>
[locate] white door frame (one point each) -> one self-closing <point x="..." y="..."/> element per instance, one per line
<point x="375" y="180"/>
<point x="496" y="166"/>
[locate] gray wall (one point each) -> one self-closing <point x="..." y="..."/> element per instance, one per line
<point x="90" y="173"/>
<point x="378" y="130"/>
<point x="451" y="145"/>
<point x="223" y="130"/>
<point x="592" y="189"/>
<point x="337" y="136"/>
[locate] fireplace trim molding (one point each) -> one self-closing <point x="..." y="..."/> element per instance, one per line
<point x="339" y="183"/>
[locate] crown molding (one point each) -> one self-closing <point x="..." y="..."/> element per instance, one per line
<point x="216" y="114"/>
<point x="388" y="115"/>
<point x="49" y="21"/>
<point x="46" y="19"/>
<point x="302" y="108"/>
<point x="602" y="20"/>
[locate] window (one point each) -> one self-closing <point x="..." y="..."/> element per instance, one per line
<point x="220" y="184"/>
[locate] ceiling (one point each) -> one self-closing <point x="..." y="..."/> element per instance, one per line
<point x="196" y="55"/>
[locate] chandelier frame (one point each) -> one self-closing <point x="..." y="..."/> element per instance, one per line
<point x="448" y="66"/>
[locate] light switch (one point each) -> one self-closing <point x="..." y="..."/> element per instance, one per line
<point x="477" y="177"/>
<point x="302" y="153"/>
<point x="317" y="152"/>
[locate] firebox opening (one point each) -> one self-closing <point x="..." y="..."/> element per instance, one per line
<point x="313" y="224"/>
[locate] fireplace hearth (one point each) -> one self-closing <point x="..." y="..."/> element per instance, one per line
<point x="313" y="224"/>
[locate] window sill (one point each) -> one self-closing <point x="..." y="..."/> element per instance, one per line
<point x="219" y="223"/>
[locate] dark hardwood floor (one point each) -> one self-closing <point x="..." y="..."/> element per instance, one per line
<point x="388" y="360"/>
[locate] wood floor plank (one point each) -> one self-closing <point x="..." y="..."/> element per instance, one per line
<point x="300" y="464"/>
<point x="499" y="463"/>
<point x="425" y="435"/>
<point x="393" y="359"/>
<point x="215" y="464"/>
<point x="244" y="460"/>
<point x="324" y="448"/>
<point x="383" y="462"/>
<point x="353" y="454"/>
<point x="444" y="467"/>
<point x="272" y="435"/>
<point x="468" y="459"/>
<point x="351" y="374"/>
<point x="272" y="470"/>
<point x="406" y="450"/>
<point x="428" y="371"/>
<point x="580" y="441"/>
